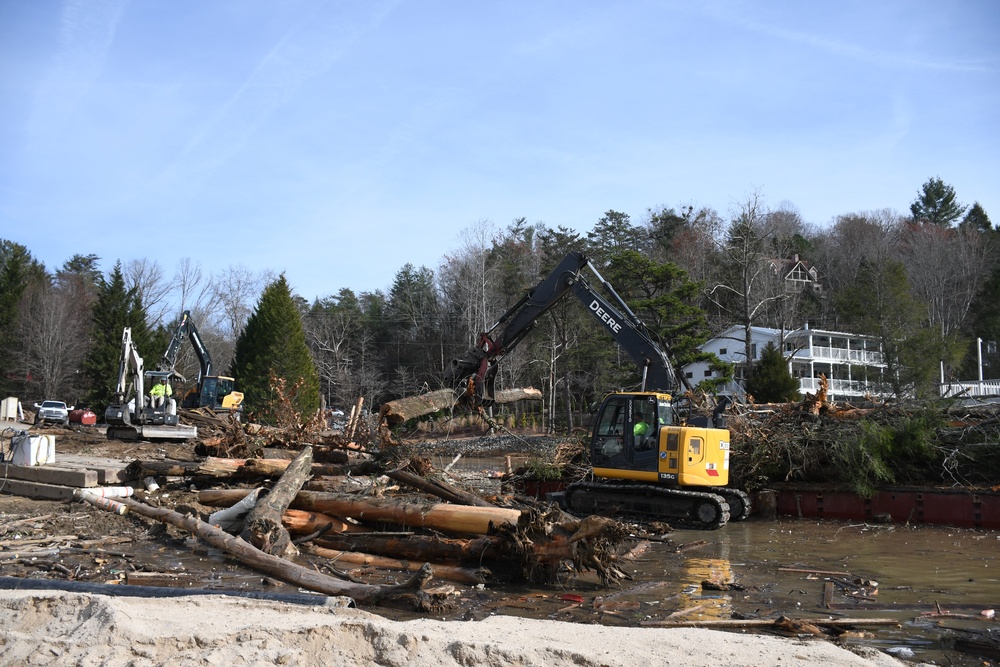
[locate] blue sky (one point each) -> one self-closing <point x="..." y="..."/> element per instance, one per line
<point x="337" y="141"/>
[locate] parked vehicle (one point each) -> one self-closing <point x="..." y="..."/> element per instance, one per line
<point x="52" y="411"/>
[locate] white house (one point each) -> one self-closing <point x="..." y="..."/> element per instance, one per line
<point x="852" y="364"/>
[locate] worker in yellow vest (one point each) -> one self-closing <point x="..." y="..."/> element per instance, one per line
<point x="160" y="392"/>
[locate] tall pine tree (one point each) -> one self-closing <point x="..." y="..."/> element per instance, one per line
<point x="114" y="309"/>
<point x="273" y="341"/>
<point x="17" y="267"/>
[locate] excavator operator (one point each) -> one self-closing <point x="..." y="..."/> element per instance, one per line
<point x="160" y="392"/>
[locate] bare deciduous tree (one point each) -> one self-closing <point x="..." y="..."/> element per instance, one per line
<point x="237" y="288"/>
<point x="946" y="267"/>
<point x="53" y="327"/>
<point x="746" y="251"/>
<point x="146" y="276"/>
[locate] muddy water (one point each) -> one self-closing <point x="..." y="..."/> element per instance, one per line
<point x="917" y="570"/>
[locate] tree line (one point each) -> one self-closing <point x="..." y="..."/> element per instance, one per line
<point x="926" y="285"/>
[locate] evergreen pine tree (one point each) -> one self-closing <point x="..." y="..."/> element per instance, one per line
<point x="16" y="269"/>
<point x="769" y="380"/>
<point x="936" y="204"/>
<point x="114" y="309"/>
<point x="273" y="341"/>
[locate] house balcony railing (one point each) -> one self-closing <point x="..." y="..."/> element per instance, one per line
<point x="841" y="387"/>
<point x="971" y="389"/>
<point x="839" y="354"/>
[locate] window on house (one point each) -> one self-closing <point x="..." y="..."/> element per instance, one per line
<point x="788" y="347"/>
<point x="724" y="350"/>
<point x="708" y="373"/>
<point x="753" y="350"/>
<point x="689" y="375"/>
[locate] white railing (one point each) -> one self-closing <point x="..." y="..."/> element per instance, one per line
<point x="842" y="387"/>
<point x="984" y="388"/>
<point x="864" y="357"/>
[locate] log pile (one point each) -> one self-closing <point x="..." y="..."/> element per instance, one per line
<point x="377" y="513"/>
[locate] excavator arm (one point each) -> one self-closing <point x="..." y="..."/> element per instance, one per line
<point x="187" y="329"/>
<point x="129" y="368"/>
<point x="475" y="373"/>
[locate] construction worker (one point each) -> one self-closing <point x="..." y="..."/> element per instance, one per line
<point x="160" y="392"/>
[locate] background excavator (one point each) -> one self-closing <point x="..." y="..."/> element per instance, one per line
<point x="647" y="455"/>
<point x="212" y="391"/>
<point x="133" y="414"/>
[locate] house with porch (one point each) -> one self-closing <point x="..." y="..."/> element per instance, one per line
<point x="852" y="363"/>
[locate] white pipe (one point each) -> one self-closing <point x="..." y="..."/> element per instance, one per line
<point x="979" y="354"/>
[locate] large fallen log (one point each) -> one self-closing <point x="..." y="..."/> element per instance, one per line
<point x="262" y="527"/>
<point x="411" y="407"/>
<point x="464" y="575"/>
<point x="421" y="548"/>
<point x="438" y="516"/>
<point x="285" y="570"/>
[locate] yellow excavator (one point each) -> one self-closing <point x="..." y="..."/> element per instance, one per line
<point x="648" y="456"/>
<point x="210" y="391"/>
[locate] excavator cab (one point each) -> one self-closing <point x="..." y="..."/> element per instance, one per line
<point x="635" y="438"/>
<point x="217" y="392"/>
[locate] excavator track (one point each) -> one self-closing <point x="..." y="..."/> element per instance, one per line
<point x="688" y="509"/>
<point x="738" y="501"/>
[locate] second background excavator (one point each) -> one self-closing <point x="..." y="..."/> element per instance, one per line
<point x="647" y="456"/>
<point x="216" y="392"/>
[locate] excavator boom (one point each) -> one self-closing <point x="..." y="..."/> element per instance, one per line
<point x="478" y="368"/>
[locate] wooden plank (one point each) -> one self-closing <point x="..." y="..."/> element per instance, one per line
<point x="18" y="487"/>
<point x="53" y="474"/>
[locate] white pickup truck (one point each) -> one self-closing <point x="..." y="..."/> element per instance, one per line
<point x="52" y="411"/>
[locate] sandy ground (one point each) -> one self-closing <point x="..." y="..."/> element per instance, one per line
<point x="57" y="628"/>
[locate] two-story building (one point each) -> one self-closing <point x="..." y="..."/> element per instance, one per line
<point x="853" y="364"/>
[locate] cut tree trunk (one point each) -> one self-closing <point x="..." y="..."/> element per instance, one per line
<point x="305" y="523"/>
<point x="282" y="569"/>
<point x="411" y="407"/>
<point x="352" y="423"/>
<point x="262" y="527"/>
<point x="517" y="394"/>
<point x="439" y="516"/>
<point x="417" y="547"/>
<point x="464" y="575"/>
